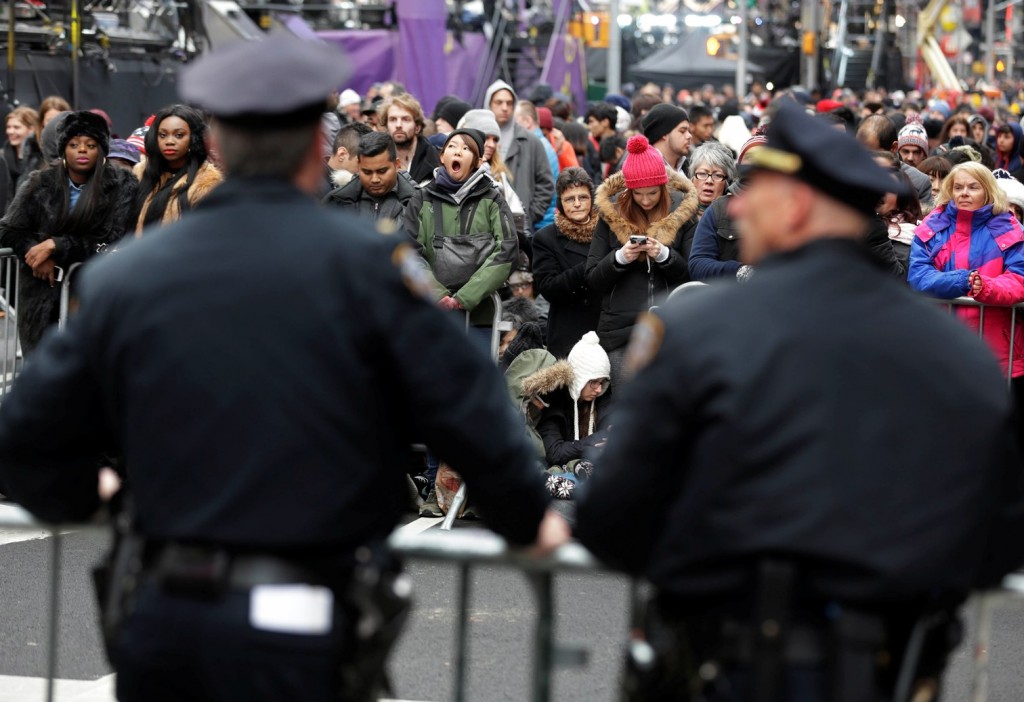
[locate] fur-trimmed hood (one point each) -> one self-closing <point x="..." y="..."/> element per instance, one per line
<point x="667" y="229"/>
<point x="547" y="380"/>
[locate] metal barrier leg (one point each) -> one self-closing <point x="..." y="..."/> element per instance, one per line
<point x="461" y="630"/>
<point x="979" y="688"/>
<point x="543" y="637"/>
<point x="453" y="509"/>
<point x="1013" y="333"/>
<point x="51" y="657"/>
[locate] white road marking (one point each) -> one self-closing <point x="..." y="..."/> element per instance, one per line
<point x="12" y="514"/>
<point x="9" y="536"/>
<point x="14" y="688"/>
<point x="421" y="524"/>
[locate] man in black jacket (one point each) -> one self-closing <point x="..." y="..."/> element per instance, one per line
<point x="810" y="465"/>
<point x="253" y="369"/>
<point x="381" y="191"/>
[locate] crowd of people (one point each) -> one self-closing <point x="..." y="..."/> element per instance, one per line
<point x="580" y="218"/>
<point x="639" y="206"/>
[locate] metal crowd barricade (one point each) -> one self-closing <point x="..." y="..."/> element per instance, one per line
<point x="12" y="359"/>
<point x="498" y="327"/>
<point x="971" y="302"/>
<point x="1012" y="591"/>
<point x="17" y="518"/>
<point x="467" y="548"/>
<point x="10" y="364"/>
<point x="65" y="295"/>
<point x="470" y="547"/>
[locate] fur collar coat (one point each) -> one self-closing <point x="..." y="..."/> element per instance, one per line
<point x="556" y="421"/>
<point x="665" y="231"/>
<point x="33" y="217"/>
<point x="627" y="290"/>
<point x="208" y="177"/>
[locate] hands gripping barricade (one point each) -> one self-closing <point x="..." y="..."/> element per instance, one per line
<point x="10" y="347"/>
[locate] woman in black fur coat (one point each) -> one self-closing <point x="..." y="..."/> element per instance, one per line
<point x="63" y="214"/>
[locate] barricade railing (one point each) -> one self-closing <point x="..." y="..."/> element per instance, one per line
<point x="971" y="302"/>
<point x="466" y="547"/>
<point x="11" y="358"/>
<point x="950" y="305"/>
<point x="10" y="363"/>
<point x="474" y="547"/>
<point x="498" y="327"/>
<point x="17" y="518"/>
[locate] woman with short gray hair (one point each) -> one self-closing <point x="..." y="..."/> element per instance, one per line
<point x="560" y="253"/>
<point x="712" y="170"/>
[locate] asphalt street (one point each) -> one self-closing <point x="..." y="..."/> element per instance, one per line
<point x="592" y="610"/>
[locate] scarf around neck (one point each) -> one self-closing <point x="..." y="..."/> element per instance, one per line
<point x="580" y="232"/>
<point x="445" y="182"/>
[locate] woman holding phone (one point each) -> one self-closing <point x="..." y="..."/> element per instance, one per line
<point x="637" y="250"/>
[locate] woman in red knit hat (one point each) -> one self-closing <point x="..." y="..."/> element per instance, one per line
<point x="637" y="250"/>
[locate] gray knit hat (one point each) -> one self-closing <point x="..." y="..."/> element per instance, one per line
<point x="481" y="120"/>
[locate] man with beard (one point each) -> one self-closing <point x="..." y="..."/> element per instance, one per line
<point x="667" y="128"/>
<point x="402" y="116"/>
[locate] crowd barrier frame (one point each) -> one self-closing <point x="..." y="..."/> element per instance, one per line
<point x="10" y="277"/>
<point x="498" y="327"/>
<point x="468" y="548"/>
<point x="950" y="305"/>
<point x="473" y="547"/>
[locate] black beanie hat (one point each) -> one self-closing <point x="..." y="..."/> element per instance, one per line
<point x="83" y="123"/>
<point x="662" y="119"/>
<point x="475" y="134"/>
<point x="453" y="110"/>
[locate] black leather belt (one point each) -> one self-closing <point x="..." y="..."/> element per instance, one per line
<point x="204" y="571"/>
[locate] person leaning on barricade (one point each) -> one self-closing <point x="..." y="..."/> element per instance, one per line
<point x="798" y="517"/>
<point x="970" y="245"/>
<point x="264" y="460"/>
<point x="64" y="214"/>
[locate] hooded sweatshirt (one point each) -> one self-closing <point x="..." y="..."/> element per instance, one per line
<point x="508" y="130"/>
<point x="1012" y="161"/>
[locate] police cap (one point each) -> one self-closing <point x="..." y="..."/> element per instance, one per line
<point x="832" y="162"/>
<point x="276" y="82"/>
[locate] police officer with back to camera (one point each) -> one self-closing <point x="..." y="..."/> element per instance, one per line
<point x="262" y="366"/>
<point x="828" y="461"/>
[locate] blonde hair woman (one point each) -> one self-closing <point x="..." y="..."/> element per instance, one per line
<point x="971" y="245"/>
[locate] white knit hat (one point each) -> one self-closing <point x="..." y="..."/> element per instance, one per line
<point x="1013" y="188"/>
<point x="589" y="362"/>
<point x="349" y="97"/>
